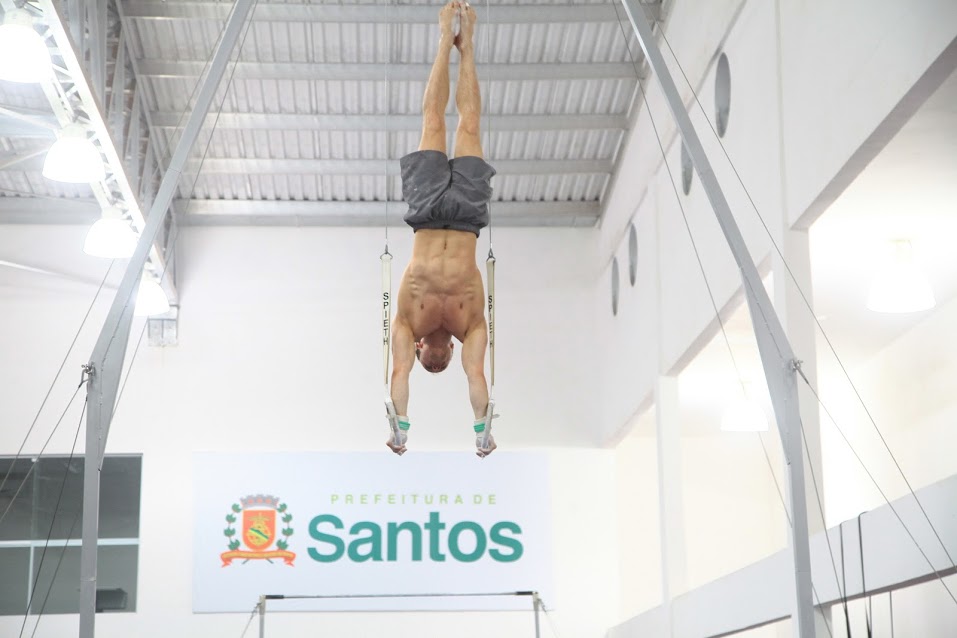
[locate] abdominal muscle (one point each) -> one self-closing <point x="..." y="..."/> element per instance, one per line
<point x="442" y="287"/>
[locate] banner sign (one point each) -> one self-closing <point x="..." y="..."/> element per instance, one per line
<point x="361" y="524"/>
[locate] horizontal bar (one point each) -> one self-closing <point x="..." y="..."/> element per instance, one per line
<point x="396" y="122"/>
<point x="372" y="14"/>
<point x="323" y="167"/>
<point x="444" y="595"/>
<point x="397" y="72"/>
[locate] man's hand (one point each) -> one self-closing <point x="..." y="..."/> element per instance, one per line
<point x="399" y="449"/>
<point x="483" y="452"/>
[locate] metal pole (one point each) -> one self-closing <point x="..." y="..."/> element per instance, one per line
<point x="780" y="364"/>
<point x="262" y="616"/>
<point x="536" y="604"/>
<point x="106" y="361"/>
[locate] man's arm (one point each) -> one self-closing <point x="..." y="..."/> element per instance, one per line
<point x="403" y="357"/>
<point x="473" y="360"/>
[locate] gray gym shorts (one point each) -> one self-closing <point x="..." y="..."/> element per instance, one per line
<point x="446" y="194"/>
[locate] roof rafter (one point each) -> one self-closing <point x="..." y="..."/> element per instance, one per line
<point x="397" y="72"/>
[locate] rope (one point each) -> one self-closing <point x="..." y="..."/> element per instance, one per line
<point x="388" y="115"/>
<point x="56" y="377"/>
<point x="386" y="256"/>
<point x="56" y="511"/>
<point x="488" y="112"/>
<point x="641" y="91"/>
<point x="490" y="260"/>
<point x="814" y="317"/>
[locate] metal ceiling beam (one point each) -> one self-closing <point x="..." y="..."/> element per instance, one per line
<point x="87" y="86"/>
<point x="397" y="72"/>
<point x="202" y="212"/>
<point x="365" y="214"/>
<point x="300" y="122"/>
<point x="373" y="167"/>
<point x="374" y="14"/>
<point x="20" y="122"/>
<point x="48" y="210"/>
<point x="322" y="167"/>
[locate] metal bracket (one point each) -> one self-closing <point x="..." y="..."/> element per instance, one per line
<point x="163" y="330"/>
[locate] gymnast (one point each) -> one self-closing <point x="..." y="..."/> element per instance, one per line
<point x="441" y="295"/>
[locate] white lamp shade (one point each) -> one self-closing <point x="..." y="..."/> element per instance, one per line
<point x="75" y="160"/>
<point x="111" y="238"/>
<point x="744" y="415"/>
<point x="900" y="286"/>
<point x="24" y="56"/>
<point x="151" y="300"/>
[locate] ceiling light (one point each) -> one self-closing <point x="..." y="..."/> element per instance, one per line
<point x="900" y="286"/>
<point x="744" y="415"/>
<point x="111" y="236"/>
<point x="74" y="158"/>
<point x="150" y="300"/>
<point x="24" y="56"/>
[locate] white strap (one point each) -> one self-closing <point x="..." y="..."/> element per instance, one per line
<point x="490" y="265"/>
<point x="386" y="315"/>
<point x="484" y="441"/>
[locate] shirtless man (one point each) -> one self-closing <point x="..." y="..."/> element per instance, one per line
<point x="441" y="295"/>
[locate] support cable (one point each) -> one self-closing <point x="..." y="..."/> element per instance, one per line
<point x="189" y="199"/>
<point x="212" y="130"/>
<point x="485" y="440"/>
<point x="129" y="369"/>
<point x="56" y="511"/>
<point x="877" y="486"/>
<point x="847" y="613"/>
<point x="548" y="617"/>
<point x="249" y="622"/>
<point x="56" y="378"/>
<point x="808" y="305"/>
<point x="870" y="608"/>
<point x="711" y="294"/>
<point x="40" y="454"/>
<point x="488" y="109"/>
<point x="386" y="257"/>
<point x="56" y="570"/>
<point x="388" y="119"/>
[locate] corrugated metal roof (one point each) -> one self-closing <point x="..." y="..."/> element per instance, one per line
<point x="174" y="49"/>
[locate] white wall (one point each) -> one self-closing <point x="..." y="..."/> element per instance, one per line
<point x="908" y="389"/>
<point x="639" y="539"/>
<point x="840" y="70"/>
<point x="810" y="82"/>
<point x="279" y="349"/>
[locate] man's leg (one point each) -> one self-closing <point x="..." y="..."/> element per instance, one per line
<point x="436" y="97"/>
<point x="468" y="98"/>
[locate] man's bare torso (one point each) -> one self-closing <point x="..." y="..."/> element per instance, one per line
<point x="442" y="287"/>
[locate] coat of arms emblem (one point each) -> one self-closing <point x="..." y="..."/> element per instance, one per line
<point x="260" y="517"/>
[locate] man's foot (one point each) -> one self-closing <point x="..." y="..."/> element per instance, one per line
<point x="447" y="21"/>
<point x="467" y="19"/>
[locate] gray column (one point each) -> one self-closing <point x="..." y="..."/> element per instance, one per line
<point x="106" y="362"/>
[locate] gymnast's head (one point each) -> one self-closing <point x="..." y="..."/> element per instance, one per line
<point x="434" y="354"/>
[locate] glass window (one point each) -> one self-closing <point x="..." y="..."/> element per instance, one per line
<point x="115" y="579"/>
<point x="16" y="499"/>
<point x="45" y="500"/>
<point x="15" y="567"/>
